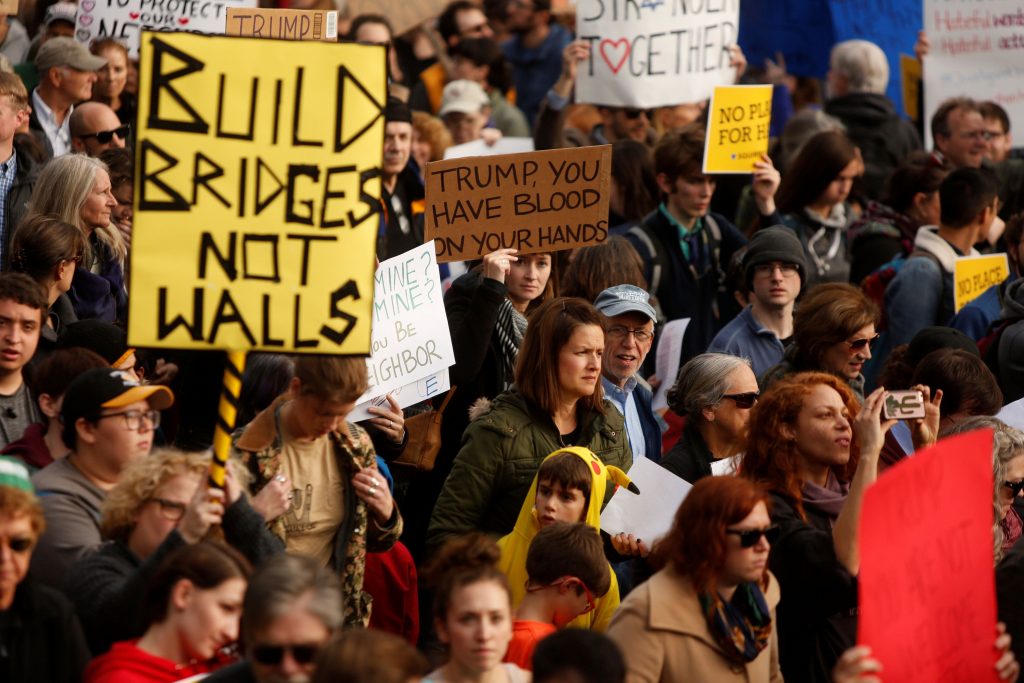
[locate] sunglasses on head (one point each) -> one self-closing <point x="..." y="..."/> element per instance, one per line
<point x="750" y="537"/>
<point x="744" y="400"/>
<point x="105" y="136"/>
<point x="1014" y="486"/>
<point x="272" y="655"/>
<point x="859" y="344"/>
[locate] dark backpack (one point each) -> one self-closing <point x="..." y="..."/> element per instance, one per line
<point x="875" y="284"/>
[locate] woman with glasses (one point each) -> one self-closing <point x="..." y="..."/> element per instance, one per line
<point x="708" y="614"/>
<point x="833" y="332"/>
<point x="162" y="503"/>
<point x="715" y="392"/>
<point x="191" y="610"/>
<point x="40" y="637"/>
<point x="816" y="450"/>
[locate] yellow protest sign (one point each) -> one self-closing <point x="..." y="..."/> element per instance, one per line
<point x="972" y="275"/>
<point x="287" y="24"/>
<point x="256" y="194"/>
<point x="910" y="76"/>
<point x="738" y="121"/>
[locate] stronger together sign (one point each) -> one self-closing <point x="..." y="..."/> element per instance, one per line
<point x="257" y="181"/>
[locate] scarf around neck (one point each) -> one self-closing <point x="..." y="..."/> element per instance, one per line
<point x="742" y="626"/>
<point x="828" y="499"/>
<point x="510" y="328"/>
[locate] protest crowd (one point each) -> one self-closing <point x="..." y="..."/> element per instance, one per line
<point x="758" y="381"/>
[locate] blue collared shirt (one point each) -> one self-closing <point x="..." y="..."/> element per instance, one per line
<point x="624" y="401"/>
<point x="8" y="171"/>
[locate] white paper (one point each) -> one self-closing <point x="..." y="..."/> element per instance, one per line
<point x="410" y="394"/>
<point x="666" y="367"/>
<point x="726" y="466"/>
<point x="655" y="53"/>
<point x="649" y="515"/>
<point x="975" y="52"/>
<point x="410" y="337"/>
<point x="125" y="19"/>
<point x="479" y="148"/>
<point x="1013" y="414"/>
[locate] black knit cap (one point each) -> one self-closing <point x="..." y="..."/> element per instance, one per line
<point x="397" y="111"/>
<point x="777" y="243"/>
<point x="934" y="338"/>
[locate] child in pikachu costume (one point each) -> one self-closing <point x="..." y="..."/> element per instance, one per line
<point x="515" y="545"/>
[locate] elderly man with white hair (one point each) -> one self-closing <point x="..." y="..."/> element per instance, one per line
<point x="857" y="79"/>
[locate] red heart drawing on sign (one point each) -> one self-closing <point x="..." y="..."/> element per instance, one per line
<point x="183" y="20"/>
<point x="615" y="45"/>
<point x="87" y="5"/>
<point x="133" y="15"/>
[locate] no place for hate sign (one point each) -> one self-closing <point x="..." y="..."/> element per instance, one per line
<point x="654" y="53"/>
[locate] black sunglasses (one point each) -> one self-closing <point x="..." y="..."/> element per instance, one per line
<point x="272" y="655"/>
<point x="105" y="136"/>
<point x="1014" y="486"/>
<point x="744" y="400"/>
<point x="633" y="114"/>
<point x="750" y="537"/>
<point x="19" y="544"/>
<point x="858" y="344"/>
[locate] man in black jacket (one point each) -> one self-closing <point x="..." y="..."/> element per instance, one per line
<point x="17" y="171"/>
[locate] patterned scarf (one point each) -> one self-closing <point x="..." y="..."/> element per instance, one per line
<point x="742" y="626"/>
<point x="510" y="328"/>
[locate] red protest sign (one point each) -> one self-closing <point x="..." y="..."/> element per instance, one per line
<point x="927" y="584"/>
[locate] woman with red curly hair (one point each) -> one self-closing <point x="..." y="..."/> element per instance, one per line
<point x="708" y="614"/>
<point x="816" y="450"/>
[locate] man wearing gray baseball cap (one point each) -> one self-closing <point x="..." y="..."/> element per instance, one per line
<point x="66" y="73"/>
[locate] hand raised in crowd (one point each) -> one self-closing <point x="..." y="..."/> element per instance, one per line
<point x="274" y="499"/>
<point x="765" y="184"/>
<point x="738" y="61"/>
<point x="630" y="546"/>
<point x="1007" y="667"/>
<point x="775" y="70"/>
<point x="574" y="53"/>
<point x="925" y="432"/>
<point x="490" y="136"/>
<point x="164" y="372"/>
<point x="857" y="666"/>
<point x="922" y="47"/>
<point x="868" y="427"/>
<point x="372" y="489"/>
<point x="204" y="511"/>
<point x="391" y="420"/>
<point x="498" y="263"/>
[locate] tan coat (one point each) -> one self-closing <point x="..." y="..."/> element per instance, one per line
<point x="665" y="638"/>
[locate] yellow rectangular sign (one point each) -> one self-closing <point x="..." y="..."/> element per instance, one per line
<point x="286" y="24"/>
<point x="256" y="194"/>
<point x="910" y="76"/>
<point x="972" y="275"/>
<point x="738" y="122"/>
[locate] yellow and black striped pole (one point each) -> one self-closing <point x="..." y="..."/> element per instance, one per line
<point x="227" y="410"/>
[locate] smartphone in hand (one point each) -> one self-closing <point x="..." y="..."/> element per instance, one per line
<point x="903" y="405"/>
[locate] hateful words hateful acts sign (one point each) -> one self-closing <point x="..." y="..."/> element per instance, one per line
<point x="256" y="188"/>
<point x="654" y="53"/>
<point x="532" y="201"/>
<point x="125" y="19"/>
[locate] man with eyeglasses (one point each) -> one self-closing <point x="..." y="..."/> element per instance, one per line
<point x="109" y="420"/>
<point x="66" y="73"/>
<point x="460" y="19"/>
<point x="629" y="324"/>
<point x="774" y="269"/>
<point x="95" y="128"/>
<point x="292" y="608"/>
<point x="958" y="132"/>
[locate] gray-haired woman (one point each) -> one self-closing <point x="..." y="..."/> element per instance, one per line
<point x="715" y="392"/>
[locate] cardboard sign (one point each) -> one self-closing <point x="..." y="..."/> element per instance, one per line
<point x="8" y="6"/>
<point x="972" y="275"/>
<point x="910" y="75"/>
<point x="654" y="53"/>
<point x="738" y="120"/>
<point x="404" y="15"/>
<point x="975" y="52"/>
<point x="927" y="589"/>
<point x="410" y="329"/>
<point x="285" y="24"/>
<point x="125" y="19"/>
<point x="256" y="192"/>
<point x="534" y="202"/>
<point x="649" y="514"/>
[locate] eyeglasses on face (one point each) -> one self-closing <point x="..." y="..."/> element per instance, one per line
<point x="105" y="136"/>
<point x="133" y="419"/>
<point x="170" y="510"/>
<point x="620" y="332"/>
<point x="20" y="544"/>
<point x="634" y="114"/>
<point x="860" y="344"/>
<point x="769" y="268"/>
<point x="744" y="400"/>
<point x="750" y="537"/>
<point x="565" y="580"/>
<point x="1014" y="486"/>
<point x="273" y="655"/>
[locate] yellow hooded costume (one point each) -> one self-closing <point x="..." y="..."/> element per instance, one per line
<point x="515" y="546"/>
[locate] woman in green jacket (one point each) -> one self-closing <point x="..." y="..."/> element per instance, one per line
<point x="556" y="402"/>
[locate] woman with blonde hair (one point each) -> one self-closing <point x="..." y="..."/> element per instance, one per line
<point x="160" y="504"/>
<point x="76" y="189"/>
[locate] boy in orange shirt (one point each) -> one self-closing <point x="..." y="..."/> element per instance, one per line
<point x="567" y="572"/>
